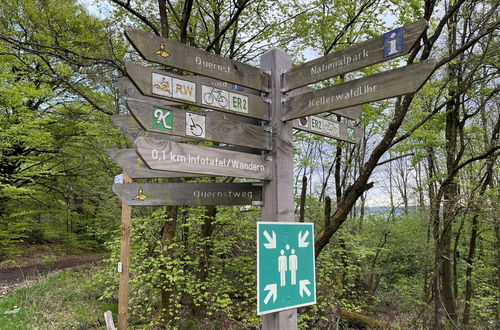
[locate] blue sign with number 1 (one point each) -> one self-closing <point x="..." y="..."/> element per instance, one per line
<point x="393" y="42"/>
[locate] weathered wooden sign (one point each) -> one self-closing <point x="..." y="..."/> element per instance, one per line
<point x="400" y="81"/>
<point x="178" y="157"/>
<point x="135" y="168"/>
<point x="208" y="126"/>
<point x="352" y="113"/>
<point x="382" y="48"/>
<point x="329" y="128"/>
<point x="132" y="130"/>
<point x="177" y="55"/>
<point x="189" y="193"/>
<point x="191" y="91"/>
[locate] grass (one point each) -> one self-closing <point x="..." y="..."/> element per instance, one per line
<point x="62" y="300"/>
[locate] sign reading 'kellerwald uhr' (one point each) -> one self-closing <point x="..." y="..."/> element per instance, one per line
<point x="179" y="157"/>
<point x="380" y="86"/>
<point x="382" y="48"/>
<point x="177" y="55"/>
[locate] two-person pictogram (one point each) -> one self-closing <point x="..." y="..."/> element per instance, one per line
<point x="288" y="263"/>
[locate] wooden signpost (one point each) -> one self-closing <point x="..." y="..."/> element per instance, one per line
<point x="220" y="87"/>
<point x="133" y="165"/>
<point x="329" y="128"/>
<point x="177" y="55"/>
<point x="382" y="48"/>
<point x="179" y="157"/>
<point x="207" y="126"/>
<point x="191" y="91"/>
<point x="380" y="86"/>
<point x="142" y="194"/>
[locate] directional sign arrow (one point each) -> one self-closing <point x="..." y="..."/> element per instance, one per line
<point x="217" y="127"/>
<point x="193" y="90"/>
<point x="380" y="86"/>
<point x="177" y="55"/>
<point x="271" y="241"/>
<point x="131" y="164"/>
<point x="132" y="130"/>
<point x="329" y="128"/>
<point x="188" y="193"/>
<point x="273" y="292"/>
<point x="303" y="288"/>
<point x="302" y="239"/>
<point x="178" y="157"/>
<point x="352" y="58"/>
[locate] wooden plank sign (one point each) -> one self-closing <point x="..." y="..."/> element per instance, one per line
<point x="207" y="126"/>
<point x="133" y="165"/>
<point x="189" y="193"/>
<point x="380" y="86"/>
<point x="329" y="128"/>
<point x="177" y="55"/>
<point x="192" y="91"/>
<point x="382" y="48"/>
<point x="178" y="157"/>
<point x="352" y="113"/>
<point x="132" y="130"/>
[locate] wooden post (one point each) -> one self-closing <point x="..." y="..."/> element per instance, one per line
<point x="278" y="193"/>
<point x="126" y="224"/>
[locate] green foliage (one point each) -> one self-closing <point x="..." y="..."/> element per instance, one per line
<point x="64" y="300"/>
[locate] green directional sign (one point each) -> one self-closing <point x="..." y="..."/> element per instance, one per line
<point x="285" y="266"/>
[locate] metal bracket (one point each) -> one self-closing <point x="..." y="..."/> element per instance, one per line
<point x="267" y="100"/>
<point x="257" y="203"/>
<point x="258" y="184"/>
<point x="267" y="117"/>
<point x="267" y="128"/>
<point x="285" y="99"/>
<point x="268" y="158"/>
<point x="268" y="72"/>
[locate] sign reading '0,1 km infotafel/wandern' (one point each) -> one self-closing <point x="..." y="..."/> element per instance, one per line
<point x="179" y="157"/>
<point x="382" y="48"/>
<point x="177" y="55"/>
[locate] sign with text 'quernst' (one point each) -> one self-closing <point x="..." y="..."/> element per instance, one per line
<point x="191" y="91"/>
<point x="380" y="86"/>
<point x="177" y="55"/>
<point x="286" y="275"/>
<point x="382" y="48"/>
<point x="209" y="126"/>
<point x="142" y="194"/>
<point x="178" y="157"/>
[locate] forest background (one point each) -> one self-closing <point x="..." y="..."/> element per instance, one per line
<point x="431" y="260"/>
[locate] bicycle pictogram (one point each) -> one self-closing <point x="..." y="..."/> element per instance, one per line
<point x="215" y="97"/>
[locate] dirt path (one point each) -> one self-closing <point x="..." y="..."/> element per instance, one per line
<point x="14" y="277"/>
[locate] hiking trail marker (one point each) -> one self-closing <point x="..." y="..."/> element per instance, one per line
<point x="285" y="266"/>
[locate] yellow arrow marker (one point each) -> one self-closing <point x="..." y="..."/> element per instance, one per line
<point x="140" y="196"/>
<point x="162" y="52"/>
